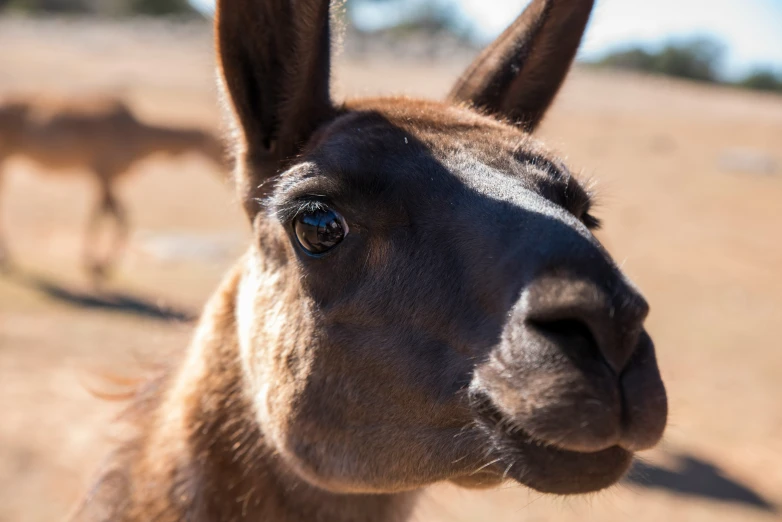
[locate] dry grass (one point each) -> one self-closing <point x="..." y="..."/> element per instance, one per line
<point x="702" y="243"/>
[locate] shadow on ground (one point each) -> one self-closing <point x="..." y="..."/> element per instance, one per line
<point x="695" y="477"/>
<point x="102" y="300"/>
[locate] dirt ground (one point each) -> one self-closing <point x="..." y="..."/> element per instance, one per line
<point x="702" y="240"/>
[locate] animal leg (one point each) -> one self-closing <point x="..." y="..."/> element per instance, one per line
<point x="108" y="206"/>
<point x="5" y="258"/>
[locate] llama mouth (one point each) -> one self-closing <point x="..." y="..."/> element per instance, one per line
<point x="543" y="466"/>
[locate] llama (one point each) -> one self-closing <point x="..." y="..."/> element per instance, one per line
<point x="423" y="299"/>
<point x="104" y="137"/>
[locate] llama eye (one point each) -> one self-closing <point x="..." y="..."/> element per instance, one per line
<point x="319" y="230"/>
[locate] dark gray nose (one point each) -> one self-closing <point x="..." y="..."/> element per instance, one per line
<point x="576" y="312"/>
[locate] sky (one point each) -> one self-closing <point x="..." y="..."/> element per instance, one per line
<point x="750" y="29"/>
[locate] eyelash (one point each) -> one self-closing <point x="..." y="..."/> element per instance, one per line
<point x="590" y="221"/>
<point x="290" y="210"/>
<point x="581" y="201"/>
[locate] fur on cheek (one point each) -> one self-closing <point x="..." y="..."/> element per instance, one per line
<point x="274" y="376"/>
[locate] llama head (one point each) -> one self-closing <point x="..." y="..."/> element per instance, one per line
<point x="424" y="299"/>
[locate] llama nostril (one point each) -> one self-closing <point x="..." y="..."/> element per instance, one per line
<point x="584" y="337"/>
<point x="573" y="333"/>
<point x="578" y="316"/>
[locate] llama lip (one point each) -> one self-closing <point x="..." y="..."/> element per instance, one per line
<point x="541" y="465"/>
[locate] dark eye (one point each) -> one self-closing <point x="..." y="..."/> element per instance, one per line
<point x="319" y="230"/>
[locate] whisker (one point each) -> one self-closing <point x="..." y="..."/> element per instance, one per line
<point x="486" y="465"/>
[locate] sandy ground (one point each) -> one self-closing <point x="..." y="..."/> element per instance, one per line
<point x="701" y="241"/>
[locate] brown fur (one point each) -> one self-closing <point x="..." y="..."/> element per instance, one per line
<point x="102" y="137"/>
<point x="467" y="326"/>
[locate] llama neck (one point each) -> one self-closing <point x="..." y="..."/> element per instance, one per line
<point x="204" y="457"/>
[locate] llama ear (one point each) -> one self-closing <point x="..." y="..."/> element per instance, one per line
<point x="274" y="60"/>
<point x="519" y="74"/>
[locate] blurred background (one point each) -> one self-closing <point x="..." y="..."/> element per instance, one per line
<point x="117" y="221"/>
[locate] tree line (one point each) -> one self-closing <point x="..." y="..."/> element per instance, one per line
<point x="697" y="59"/>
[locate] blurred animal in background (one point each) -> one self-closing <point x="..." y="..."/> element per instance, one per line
<point x="105" y="139"/>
